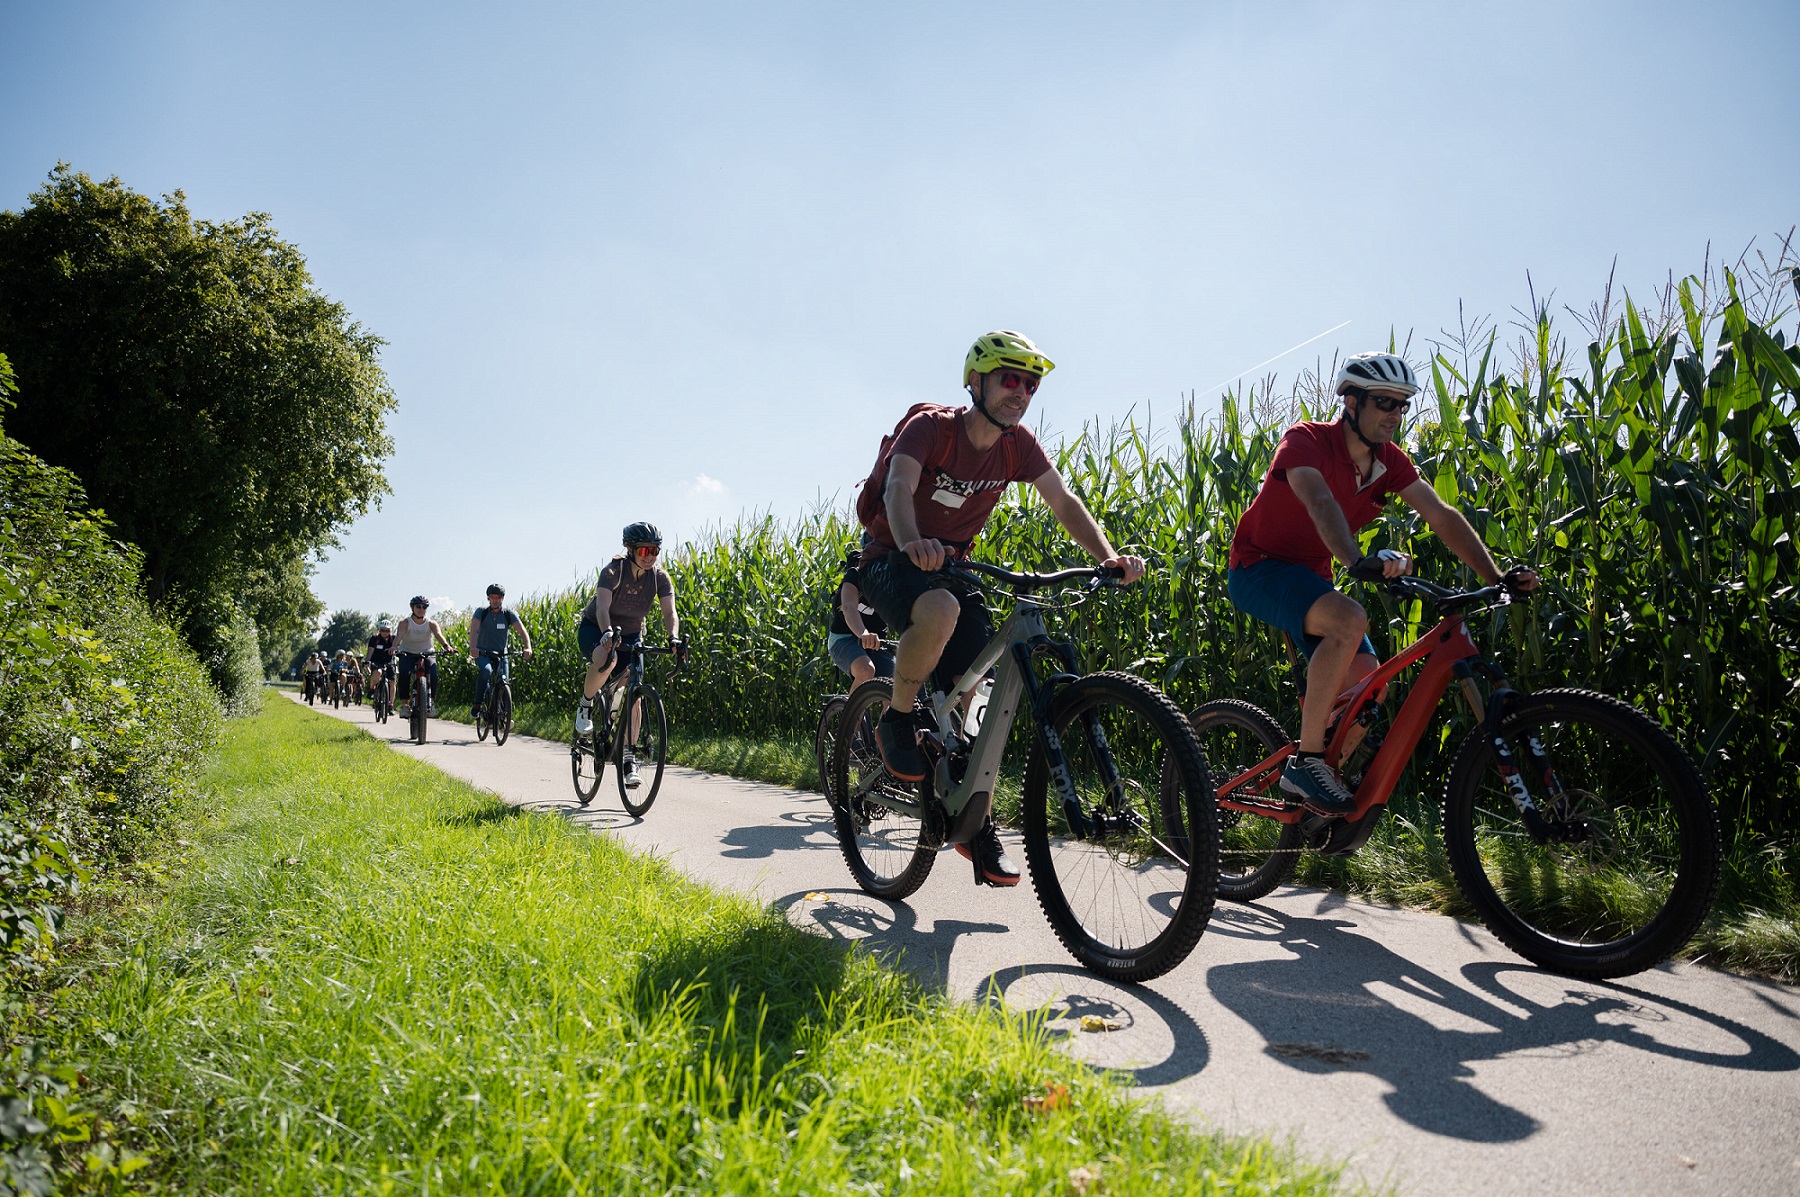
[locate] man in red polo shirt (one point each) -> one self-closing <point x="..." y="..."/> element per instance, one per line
<point x="1326" y="483"/>
<point x="946" y="471"/>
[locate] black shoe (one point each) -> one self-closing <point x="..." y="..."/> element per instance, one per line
<point x="897" y="739"/>
<point x="992" y="865"/>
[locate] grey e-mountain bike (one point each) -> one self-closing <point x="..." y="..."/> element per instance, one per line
<point x="1111" y="760"/>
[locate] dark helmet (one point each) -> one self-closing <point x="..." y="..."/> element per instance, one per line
<point x="419" y="600"/>
<point x="642" y="533"/>
<point x="496" y="588"/>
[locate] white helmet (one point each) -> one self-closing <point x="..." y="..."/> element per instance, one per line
<point x="1376" y="372"/>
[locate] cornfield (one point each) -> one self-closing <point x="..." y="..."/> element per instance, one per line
<point x="1649" y="476"/>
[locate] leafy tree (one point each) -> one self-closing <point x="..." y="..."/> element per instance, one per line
<point x="346" y="629"/>
<point x="225" y="414"/>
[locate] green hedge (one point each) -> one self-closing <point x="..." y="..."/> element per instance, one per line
<point x="105" y="720"/>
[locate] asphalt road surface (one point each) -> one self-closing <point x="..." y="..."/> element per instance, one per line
<point x="1411" y="1045"/>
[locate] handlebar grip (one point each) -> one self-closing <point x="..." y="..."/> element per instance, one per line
<point x="1367" y="569"/>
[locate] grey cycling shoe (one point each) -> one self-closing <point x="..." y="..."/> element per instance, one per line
<point x="1317" y="784"/>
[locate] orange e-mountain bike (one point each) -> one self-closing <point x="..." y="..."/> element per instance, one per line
<point x="1576" y="826"/>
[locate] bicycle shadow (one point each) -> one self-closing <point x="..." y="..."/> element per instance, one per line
<point x="792" y="830"/>
<point x="1336" y="1000"/>
<point x="890" y="930"/>
<point x="1108" y="1026"/>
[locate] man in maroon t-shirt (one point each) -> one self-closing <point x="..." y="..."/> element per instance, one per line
<point x="946" y="471"/>
<point x="1328" y="481"/>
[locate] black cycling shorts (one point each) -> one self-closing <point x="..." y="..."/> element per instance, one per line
<point x="892" y="584"/>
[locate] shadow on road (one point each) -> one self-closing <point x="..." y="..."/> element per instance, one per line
<point x="889" y="929"/>
<point x="1072" y="1004"/>
<point x="1338" y="1001"/>
<point x="792" y="831"/>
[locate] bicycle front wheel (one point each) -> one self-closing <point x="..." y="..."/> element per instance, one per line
<point x="1629" y="861"/>
<point x="880" y="819"/>
<point x="825" y="742"/>
<point x="502" y="714"/>
<point x="645" y="748"/>
<point x="1256" y="854"/>
<point x="1126" y="898"/>
<point x="420" y="713"/>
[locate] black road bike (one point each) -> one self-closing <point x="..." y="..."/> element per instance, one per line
<point x="381" y="691"/>
<point x="1118" y="813"/>
<point x="630" y="729"/>
<point x="495" y="713"/>
<point x="419" y="694"/>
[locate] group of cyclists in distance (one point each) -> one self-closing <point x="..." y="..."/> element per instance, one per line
<point x="937" y="482"/>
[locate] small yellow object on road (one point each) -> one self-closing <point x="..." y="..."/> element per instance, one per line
<point x="816" y="896"/>
<point x="1093" y="1022"/>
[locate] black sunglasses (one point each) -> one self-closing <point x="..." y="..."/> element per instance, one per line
<point x="1390" y="402"/>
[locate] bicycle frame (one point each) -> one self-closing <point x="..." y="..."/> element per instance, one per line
<point x="1446" y="650"/>
<point x="1009" y="653"/>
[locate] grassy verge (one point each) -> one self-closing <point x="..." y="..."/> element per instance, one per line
<point x="355" y="974"/>
<point x="1754" y="926"/>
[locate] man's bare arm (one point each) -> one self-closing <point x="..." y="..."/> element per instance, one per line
<point x="1080" y="524"/>
<point x="1453" y="528"/>
<point x="903" y="520"/>
<point x="1310" y="488"/>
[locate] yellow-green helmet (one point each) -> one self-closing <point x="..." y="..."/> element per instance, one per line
<point x="1003" y="347"/>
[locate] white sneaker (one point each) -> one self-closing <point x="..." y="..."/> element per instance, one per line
<point x="632" y="780"/>
<point x="431" y="710"/>
<point x="584" y="718"/>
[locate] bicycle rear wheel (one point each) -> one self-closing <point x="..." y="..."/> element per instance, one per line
<point x="482" y="717"/>
<point x="1256" y="854"/>
<point x="825" y="742"/>
<point x="648" y="748"/>
<point x="1632" y="859"/>
<point x="880" y="820"/>
<point x="1126" y="898"/>
<point x="502" y="714"/>
<point x="588" y="753"/>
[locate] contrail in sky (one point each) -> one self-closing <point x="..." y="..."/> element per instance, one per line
<point x="1259" y="365"/>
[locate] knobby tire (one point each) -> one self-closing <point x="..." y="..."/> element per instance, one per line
<point x="1256" y="854"/>
<point x="1629" y="895"/>
<point x="889" y="853"/>
<point x="1120" y="898"/>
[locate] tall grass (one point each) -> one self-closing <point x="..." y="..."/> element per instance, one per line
<point x="363" y="976"/>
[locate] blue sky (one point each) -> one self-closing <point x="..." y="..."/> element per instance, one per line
<point x="681" y="261"/>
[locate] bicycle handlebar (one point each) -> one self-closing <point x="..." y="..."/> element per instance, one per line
<point x="1023" y="582"/>
<point x="1406" y="586"/>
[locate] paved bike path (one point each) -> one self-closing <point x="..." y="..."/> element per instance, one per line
<point x="1412" y="1045"/>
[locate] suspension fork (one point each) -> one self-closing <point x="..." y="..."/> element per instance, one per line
<point x="1501" y="699"/>
<point x="1081" y="824"/>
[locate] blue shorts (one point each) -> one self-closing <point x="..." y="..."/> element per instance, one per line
<point x="846" y="648"/>
<point x="1281" y="593"/>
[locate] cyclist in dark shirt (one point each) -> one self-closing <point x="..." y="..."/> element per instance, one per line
<point x="855" y="639"/>
<point x="489" y="628"/>
<point x="629" y="585"/>
<point x="929" y="516"/>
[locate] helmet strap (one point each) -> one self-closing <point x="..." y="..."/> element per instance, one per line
<point x="1355" y="422"/>
<point x="975" y="395"/>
